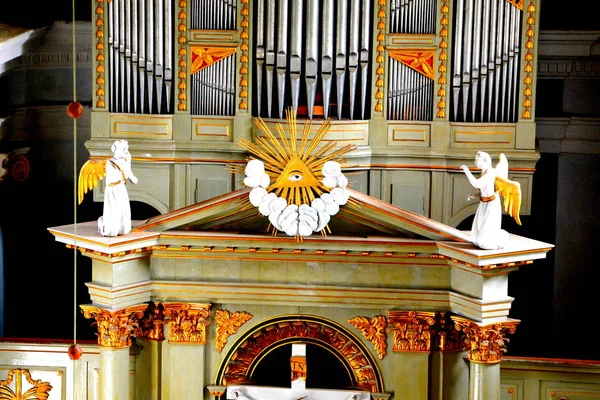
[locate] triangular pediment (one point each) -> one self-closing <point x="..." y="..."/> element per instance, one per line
<point x="363" y="216"/>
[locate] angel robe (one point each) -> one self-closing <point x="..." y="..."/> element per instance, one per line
<point x="116" y="216"/>
<point x="486" y="232"/>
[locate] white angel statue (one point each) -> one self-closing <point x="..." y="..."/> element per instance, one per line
<point x="116" y="216"/>
<point x="486" y="232"/>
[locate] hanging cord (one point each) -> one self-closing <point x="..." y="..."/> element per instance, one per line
<point x="74" y="59"/>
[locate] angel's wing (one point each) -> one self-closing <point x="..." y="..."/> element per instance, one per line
<point x="511" y="194"/>
<point x="90" y="173"/>
<point x="502" y="167"/>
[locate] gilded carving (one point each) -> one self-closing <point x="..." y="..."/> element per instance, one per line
<point x="150" y="326"/>
<point x="238" y="370"/>
<point x="380" y="57"/>
<point x="244" y="58"/>
<point x="529" y="33"/>
<point x="100" y="54"/>
<point x="374" y="330"/>
<point x="37" y="390"/>
<point x="411" y="330"/>
<point x="486" y="343"/>
<point x="203" y="57"/>
<point x="441" y="105"/>
<point x="420" y="61"/>
<point x="227" y="325"/>
<point x="182" y="40"/>
<point x="187" y="321"/>
<point x="115" y="328"/>
<point x="448" y="338"/>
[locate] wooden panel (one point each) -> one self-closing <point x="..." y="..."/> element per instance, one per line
<point x="511" y="389"/>
<point x="212" y="129"/>
<point x="414" y="135"/>
<point x="478" y="135"/>
<point x="407" y="189"/>
<point x="344" y="132"/>
<point x="209" y="180"/>
<point x="569" y="391"/>
<point x="409" y="39"/>
<point x="212" y="37"/>
<point x="141" y="127"/>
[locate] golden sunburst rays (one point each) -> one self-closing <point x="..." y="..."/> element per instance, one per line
<point x="294" y="163"/>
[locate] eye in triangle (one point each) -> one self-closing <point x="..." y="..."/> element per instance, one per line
<point x="295" y="175"/>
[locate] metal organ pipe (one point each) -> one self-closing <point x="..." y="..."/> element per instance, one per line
<point x="486" y="49"/>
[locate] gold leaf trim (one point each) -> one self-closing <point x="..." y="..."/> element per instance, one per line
<point x="227" y="325"/>
<point x="374" y="330"/>
<point x="380" y="57"/>
<point x="411" y="330"/>
<point x="443" y="57"/>
<point x="486" y="343"/>
<point x="182" y="29"/>
<point x="100" y="54"/>
<point x="529" y="44"/>
<point x="244" y="58"/>
<point x="187" y="321"/>
<point x="38" y="390"/>
<point x="115" y="328"/>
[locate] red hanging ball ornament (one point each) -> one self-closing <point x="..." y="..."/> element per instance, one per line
<point x="75" y="351"/>
<point x="75" y="109"/>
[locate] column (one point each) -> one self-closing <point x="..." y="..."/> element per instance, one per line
<point x="450" y="372"/>
<point x="183" y="356"/>
<point x="412" y="346"/>
<point x="150" y="335"/>
<point x="486" y="345"/>
<point x="115" y="329"/>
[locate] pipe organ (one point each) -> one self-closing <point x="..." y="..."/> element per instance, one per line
<point x="486" y="55"/>
<point x="418" y="86"/>
<point x="213" y="14"/>
<point x="313" y="55"/>
<point x="140" y="56"/>
<point x="412" y="16"/>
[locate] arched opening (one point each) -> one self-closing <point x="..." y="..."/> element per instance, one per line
<point x="326" y="371"/>
<point x="261" y="356"/>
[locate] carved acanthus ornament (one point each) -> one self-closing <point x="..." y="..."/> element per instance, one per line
<point x="36" y="390"/>
<point x="227" y="325"/>
<point x="151" y="325"/>
<point x="115" y="328"/>
<point x="187" y="322"/>
<point x="449" y="338"/>
<point x="411" y="330"/>
<point x="374" y="330"/>
<point x="486" y="343"/>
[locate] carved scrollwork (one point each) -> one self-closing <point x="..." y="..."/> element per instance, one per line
<point x="227" y="325"/>
<point x="374" y="330"/>
<point x="36" y="390"/>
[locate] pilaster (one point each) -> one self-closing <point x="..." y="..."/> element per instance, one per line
<point x="150" y="335"/>
<point x="412" y="336"/>
<point x="115" y="328"/>
<point x="183" y="356"/>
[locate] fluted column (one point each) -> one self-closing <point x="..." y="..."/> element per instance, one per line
<point x="183" y="358"/>
<point x="115" y="328"/>
<point x="486" y="346"/>
<point x="411" y="347"/>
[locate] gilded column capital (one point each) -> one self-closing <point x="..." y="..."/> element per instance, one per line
<point x="448" y="337"/>
<point x="227" y="325"/>
<point x="374" y="331"/>
<point x="187" y="321"/>
<point x="411" y="330"/>
<point x="486" y="343"/>
<point x="150" y="326"/>
<point x="115" y="327"/>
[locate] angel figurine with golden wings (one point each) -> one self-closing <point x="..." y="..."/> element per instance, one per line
<point x="486" y="232"/>
<point x="116" y="216"/>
